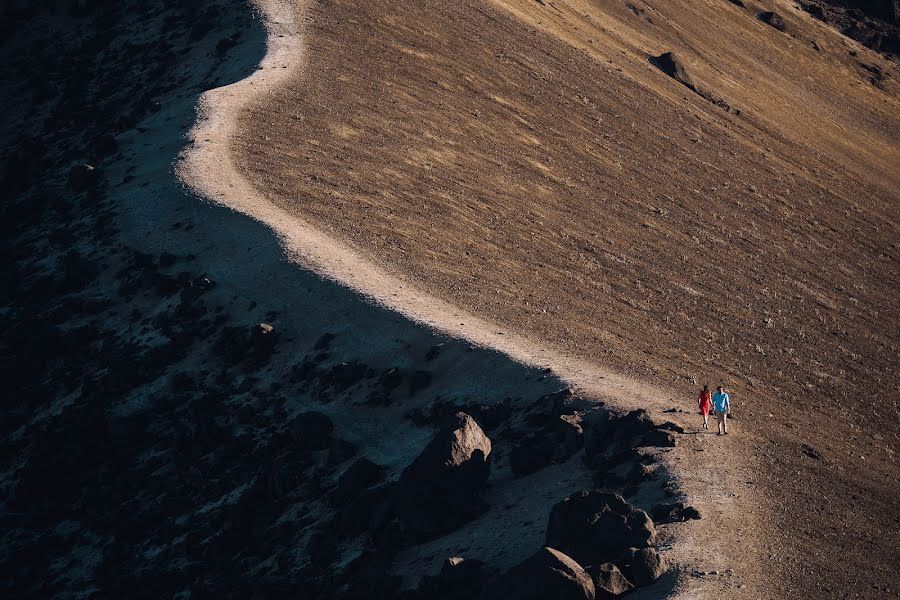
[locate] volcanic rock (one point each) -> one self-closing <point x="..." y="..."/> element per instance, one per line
<point x="603" y="429"/>
<point x="570" y="435"/>
<point x="597" y="426"/>
<point x="771" y="18"/>
<point x="340" y="451"/>
<point x="670" y="426"/>
<point x="594" y="527"/>
<point x="874" y="23"/>
<point x="633" y="424"/>
<point x="658" y="438"/>
<point x="391" y="378"/>
<point x="368" y="576"/>
<point x="419" y="381"/>
<point x="669" y="64"/>
<point x="344" y="375"/>
<point x="673" y="513"/>
<point x="609" y="582"/>
<point x="442" y="488"/>
<point x="547" y="574"/>
<point x="643" y="566"/>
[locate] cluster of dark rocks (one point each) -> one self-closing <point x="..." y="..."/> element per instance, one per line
<point x="597" y="544"/>
<point x="873" y="23"/>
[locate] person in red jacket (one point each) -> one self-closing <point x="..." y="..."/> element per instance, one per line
<point x="703" y="401"/>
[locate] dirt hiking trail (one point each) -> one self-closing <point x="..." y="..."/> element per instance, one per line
<point x="721" y="555"/>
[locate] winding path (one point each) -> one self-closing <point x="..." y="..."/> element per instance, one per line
<point x="207" y="166"/>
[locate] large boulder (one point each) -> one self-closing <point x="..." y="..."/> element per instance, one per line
<point x="609" y="582"/>
<point x="597" y="426"/>
<point x="595" y="527"/>
<point x="633" y="424"/>
<point x="442" y="488"/>
<point x="643" y="566"/>
<point x="547" y="574"/>
<point x="570" y="435"/>
<point x="657" y="438"/>
<point x="771" y="18"/>
<point x="671" y="65"/>
<point x="604" y="430"/>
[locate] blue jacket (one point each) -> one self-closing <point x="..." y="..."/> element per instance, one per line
<point x="721" y="402"/>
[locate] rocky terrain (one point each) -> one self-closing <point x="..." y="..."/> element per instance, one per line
<point x="187" y="414"/>
<point x="873" y="23"/>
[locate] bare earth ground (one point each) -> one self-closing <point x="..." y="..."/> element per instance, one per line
<point x="525" y="162"/>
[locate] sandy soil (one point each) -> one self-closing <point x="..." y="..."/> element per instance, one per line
<point x="526" y="163"/>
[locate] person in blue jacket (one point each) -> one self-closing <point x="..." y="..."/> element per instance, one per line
<point x="722" y="406"/>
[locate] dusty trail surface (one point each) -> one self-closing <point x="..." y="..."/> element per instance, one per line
<point x="528" y="163"/>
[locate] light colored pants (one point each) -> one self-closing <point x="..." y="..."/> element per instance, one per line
<point x="722" y="420"/>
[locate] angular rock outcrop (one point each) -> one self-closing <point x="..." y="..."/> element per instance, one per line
<point x="570" y="434"/>
<point x="442" y="488"/>
<point x="595" y="527"/>
<point x="643" y="566"/>
<point x="547" y="574"/>
<point x="604" y="430"/>
<point x="771" y="18"/>
<point x="670" y="64"/>
<point x="872" y="23"/>
<point x="609" y="582"/>
<point x="657" y="438"/>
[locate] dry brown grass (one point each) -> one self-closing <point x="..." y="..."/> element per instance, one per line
<point x="528" y="163"/>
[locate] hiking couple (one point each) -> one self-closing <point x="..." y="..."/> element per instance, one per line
<point x="721" y="404"/>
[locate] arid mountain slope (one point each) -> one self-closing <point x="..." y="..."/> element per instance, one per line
<point x="527" y="161"/>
